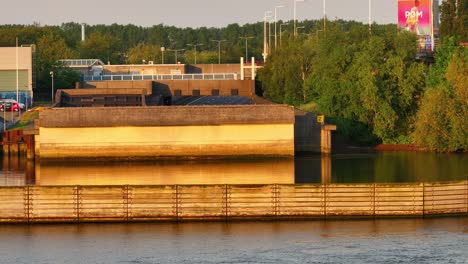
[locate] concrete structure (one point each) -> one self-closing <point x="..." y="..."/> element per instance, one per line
<point x="165" y="131"/>
<point x="15" y="86"/>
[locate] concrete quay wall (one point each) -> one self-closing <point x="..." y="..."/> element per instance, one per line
<point x="201" y="131"/>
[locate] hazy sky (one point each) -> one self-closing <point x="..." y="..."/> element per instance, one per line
<point x="186" y="13"/>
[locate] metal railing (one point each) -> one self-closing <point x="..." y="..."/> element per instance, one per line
<point x="142" y="77"/>
<point x="224" y="202"/>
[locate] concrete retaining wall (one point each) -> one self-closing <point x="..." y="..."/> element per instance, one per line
<point x="166" y="131"/>
<point x="31" y="204"/>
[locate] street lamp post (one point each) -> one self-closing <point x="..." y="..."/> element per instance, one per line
<point x="265" y="39"/>
<point x="52" y="77"/>
<point x="276" y="21"/>
<point x="219" y="48"/>
<point x="299" y="28"/>
<point x="246" y="47"/>
<point x="175" y="51"/>
<point x="295" y="16"/>
<point x="195" y="48"/>
<point x="324" y="17"/>
<point x="281" y="33"/>
<point x="370" y="16"/>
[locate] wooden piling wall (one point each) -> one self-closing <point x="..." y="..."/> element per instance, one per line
<point x="36" y="204"/>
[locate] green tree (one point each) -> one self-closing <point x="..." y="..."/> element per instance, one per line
<point x="144" y="52"/>
<point x="454" y="19"/>
<point x="50" y="49"/>
<point x="100" y="46"/>
<point x="442" y="120"/>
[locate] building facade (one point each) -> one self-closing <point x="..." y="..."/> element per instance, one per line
<point x="17" y="78"/>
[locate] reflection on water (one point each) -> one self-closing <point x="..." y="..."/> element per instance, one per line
<point x="354" y="168"/>
<point x="166" y="173"/>
<point x="440" y="240"/>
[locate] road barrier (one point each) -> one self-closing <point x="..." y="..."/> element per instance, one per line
<point x="30" y="204"/>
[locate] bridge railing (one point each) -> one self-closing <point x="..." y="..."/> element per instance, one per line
<point x="225" y="202"/>
<point x="140" y="77"/>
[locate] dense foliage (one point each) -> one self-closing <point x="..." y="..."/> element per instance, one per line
<point x="366" y="81"/>
<point x="442" y="121"/>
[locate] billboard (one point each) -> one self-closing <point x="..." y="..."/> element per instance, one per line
<point x="415" y="16"/>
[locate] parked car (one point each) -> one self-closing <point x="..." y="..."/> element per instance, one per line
<point x="10" y="105"/>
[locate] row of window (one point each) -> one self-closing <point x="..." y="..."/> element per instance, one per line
<point x="214" y="92"/>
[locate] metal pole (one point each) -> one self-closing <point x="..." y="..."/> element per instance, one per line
<point x="246" y="50"/>
<point x="265" y="40"/>
<point x="324" y="17"/>
<point x="17" y="75"/>
<point x="295" y="16"/>
<point x="246" y="47"/>
<point x="269" y="37"/>
<point x="276" y="21"/>
<point x="295" y="33"/>
<point x="52" y="76"/>
<point x="370" y="16"/>
<point x="219" y="49"/>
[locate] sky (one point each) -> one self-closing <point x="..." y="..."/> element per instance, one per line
<point x="187" y="13"/>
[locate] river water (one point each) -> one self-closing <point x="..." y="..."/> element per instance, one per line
<point x="440" y="240"/>
<point x="340" y="168"/>
<point x="437" y="240"/>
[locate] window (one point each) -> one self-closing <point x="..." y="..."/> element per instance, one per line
<point x="234" y="91"/>
<point x="177" y="92"/>
<point x="215" y="92"/>
<point x="196" y="92"/>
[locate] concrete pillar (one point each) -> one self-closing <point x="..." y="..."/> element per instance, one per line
<point x="326" y="169"/>
<point x="242" y="68"/>
<point x="253" y="68"/>
<point x="325" y="138"/>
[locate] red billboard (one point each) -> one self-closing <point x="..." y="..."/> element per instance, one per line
<point x="415" y="16"/>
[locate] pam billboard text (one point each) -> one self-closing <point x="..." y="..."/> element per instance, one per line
<point x="415" y="16"/>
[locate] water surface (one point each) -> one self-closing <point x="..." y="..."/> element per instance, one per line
<point x="380" y="167"/>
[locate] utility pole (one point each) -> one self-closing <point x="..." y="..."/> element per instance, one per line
<point x="52" y="77"/>
<point x="246" y="47"/>
<point x="295" y="16"/>
<point x="175" y="51"/>
<point x="17" y="75"/>
<point x="195" y="48"/>
<point x="219" y="48"/>
<point x="276" y="21"/>
<point x="370" y="17"/>
<point x="265" y="33"/>
<point x="324" y="17"/>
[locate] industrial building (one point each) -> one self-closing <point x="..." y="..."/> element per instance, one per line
<point x="17" y="76"/>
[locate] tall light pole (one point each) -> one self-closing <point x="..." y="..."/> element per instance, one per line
<point x="52" y="77"/>
<point x="175" y="51"/>
<point x="281" y="33"/>
<point x="246" y="47"/>
<point x="17" y="75"/>
<point x="295" y="16"/>
<point x="324" y="17"/>
<point x="195" y="48"/>
<point x="219" y="48"/>
<point x="265" y="39"/>
<point x="370" y="16"/>
<point x="276" y="21"/>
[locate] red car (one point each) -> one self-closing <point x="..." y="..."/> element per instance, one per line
<point x="9" y="106"/>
